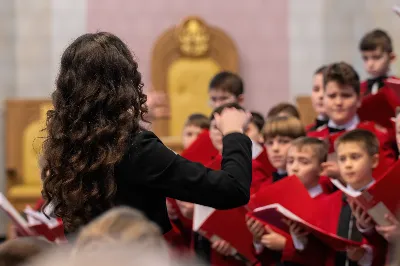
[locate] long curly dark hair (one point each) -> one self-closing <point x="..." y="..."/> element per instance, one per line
<point x="98" y="105"/>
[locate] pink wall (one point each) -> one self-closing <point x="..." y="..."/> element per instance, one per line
<point x="259" y="28"/>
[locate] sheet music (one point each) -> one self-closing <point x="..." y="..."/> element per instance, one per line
<point x="200" y="215"/>
<point x="340" y="186"/>
<point x="14" y="214"/>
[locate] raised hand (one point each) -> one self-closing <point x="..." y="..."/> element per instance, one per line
<point x="232" y="120"/>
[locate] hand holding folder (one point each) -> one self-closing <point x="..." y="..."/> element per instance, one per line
<point x="37" y="223"/>
<point x="276" y="214"/>
<point x="381" y="198"/>
<point x="227" y="225"/>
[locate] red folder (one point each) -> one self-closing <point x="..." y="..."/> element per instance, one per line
<point x="230" y="225"/>
<point x="274" y="214"/>
<point x="381" y="107"/>
<point x="202" y="150"/>
<point x="52" y="233"/>
<point x="379" y="199"/>
<point x="288" y="192"/>
<point x="185" y="222"/>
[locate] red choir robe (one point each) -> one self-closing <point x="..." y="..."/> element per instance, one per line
<point x="330" y="208"/>
<point x="386" y="152"/>
<point x="201" y="150"/>
<point x="261" y="170"/>
<point x="315" y="125"/>
<point x="364" y="90"/>
<point x="259" y="176"/>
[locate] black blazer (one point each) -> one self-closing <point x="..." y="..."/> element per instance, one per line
<point x="150" y="172"/>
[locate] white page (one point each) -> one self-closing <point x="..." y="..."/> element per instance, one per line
<point x="40" y="217"/>
<point x="340" y="186"/>
<point x="200" y="215"/>
<point x="13" y="213"/>
<point x="378" y="213"/>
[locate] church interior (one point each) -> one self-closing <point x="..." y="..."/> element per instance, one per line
<point x="274" y="46"/>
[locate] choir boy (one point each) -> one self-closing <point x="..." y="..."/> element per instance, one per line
<point x="317" y="100"/>
<point x="255" y="127"/>
<point x="391" y="232"/>
<point x="194" y="124"/>
<point x="283" y="109"/>
<point x="225" y="87"/>
<point x="377" y="53"/>
<point x="304" y="160"/>
<point x="341" y="101"/>
<point x="279" y="132"/>
<point x="357" y="156"/>
<point x="219" y="252"/>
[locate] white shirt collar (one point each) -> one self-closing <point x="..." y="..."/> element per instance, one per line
<point x="322" y="117"/>
<point x="352" y="124"/>
<point x="315" y="191"/>
<point x="361" y="189"/>
<point x="281" y="171"/>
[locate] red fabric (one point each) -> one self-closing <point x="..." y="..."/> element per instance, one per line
<point x="261" y="171"/>
<point x="386" y="153"/>
<point x="201" y="150"/>
<point x="309" y="127"/>
<point x="364" y="86"/>
<point x="331" y="207"/>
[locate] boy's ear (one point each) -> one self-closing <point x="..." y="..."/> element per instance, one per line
<point x="375" y="160"/>
<point x="359" y="102"/>
<point x="392" y="56"/>
<point x="240" y="99"/>
<point x="261" y="138"/>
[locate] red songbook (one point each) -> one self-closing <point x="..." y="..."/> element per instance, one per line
<point x="229" y="225"/>
<point x="275" y="213"/>
<point x="201" y="150"/>
<point x="288" y="192"/>
<point x="379" y="199"/>
<point x="381" y="107"/>
<point x="185" y="221"/>
<point x="36" y="225"/>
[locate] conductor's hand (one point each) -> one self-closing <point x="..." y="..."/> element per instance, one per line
<point x="232" y="120"/>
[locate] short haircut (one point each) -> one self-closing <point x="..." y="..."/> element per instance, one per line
<point x="22" y="249"/>
<point x="360" y="136"/>
<point x="198" y="120"/>
<point x="320" y="70"/>
<point x="258" y="120"/>
<point x="397" y="110"/>
<point x="227" y="81"/>
<point x="283" y="107"/>
<point x="344" y="74"/>
<point x="319" y="147"/>
<point x="219" y="109"/>
<point x="120" y="225"/>
<point x="283" y="126"/>
<point x="376" y="39"/>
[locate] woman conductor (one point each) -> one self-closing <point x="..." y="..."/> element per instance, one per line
<point x="97" y="155"/>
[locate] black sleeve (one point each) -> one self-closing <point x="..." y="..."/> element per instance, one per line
<point x="157" y="167"/>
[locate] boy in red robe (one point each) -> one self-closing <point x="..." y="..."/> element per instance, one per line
<point x="218" y="252"/>
<point x="342" y="99"/>
<point x="377" y="53"/>
<point x="304" y="158"/>
<point x="317" y="100"/>
<point x="358" y="154"/>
